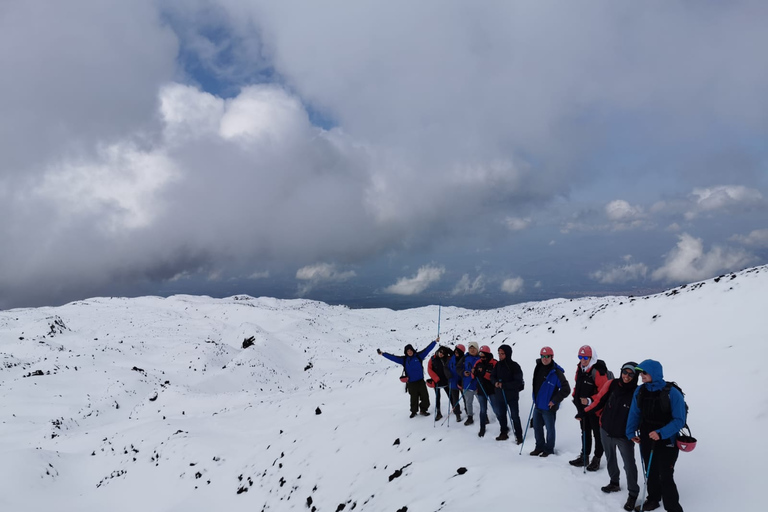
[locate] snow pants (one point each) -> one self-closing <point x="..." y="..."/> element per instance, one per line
<point x="456" y="397"/>
<point x="661" y="474"/>
<point x="627" y="450"/>
<point x="419" y="396"/>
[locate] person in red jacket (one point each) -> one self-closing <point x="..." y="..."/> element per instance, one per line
<point x="591" y="375"/>
<point x="439" y="376"/>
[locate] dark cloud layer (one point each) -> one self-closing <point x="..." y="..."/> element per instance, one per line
<point x="147" y="143"/>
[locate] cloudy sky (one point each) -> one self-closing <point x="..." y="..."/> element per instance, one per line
<point x="379" y="153"/>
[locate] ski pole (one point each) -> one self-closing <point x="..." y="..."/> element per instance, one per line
<point x="454" y="407"/>
<point x="527" y="425"/>
<point x="647" y="473"/>
<point x="439" y="307"/>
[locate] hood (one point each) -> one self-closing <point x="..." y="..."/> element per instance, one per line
<point x="507" y="351"/>
<point x="592" y="361"/>
<point x="446" y="351"/>
<point x="654" y="369"/>
<point x="409" y="346"/>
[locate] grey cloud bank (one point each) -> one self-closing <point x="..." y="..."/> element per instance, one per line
<point x="461" y="141"/>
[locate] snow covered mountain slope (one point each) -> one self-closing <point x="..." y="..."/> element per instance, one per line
<point x="152" y="404"/>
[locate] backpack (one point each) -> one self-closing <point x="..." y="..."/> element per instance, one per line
<point x="665" y="402"/>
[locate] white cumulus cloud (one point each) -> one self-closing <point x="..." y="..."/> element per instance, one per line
<point x="467" y="286"/>
<point x="756" y="238"/>
<point x="689" y="262"/>
<point x="426" y="276"/>
<point x="722" y="197"/>
<point x="621" y="273"/>
<point x="517" y="223"/>
<point x="321" y="273"/>
<point x="512" y="285"/>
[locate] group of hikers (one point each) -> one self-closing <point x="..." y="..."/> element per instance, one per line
<point x="614" y="413"/>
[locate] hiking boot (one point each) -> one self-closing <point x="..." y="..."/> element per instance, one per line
<point x="536" y="453"/>
<point x="648" y="505"/>
<point x="502" y="437"/>
<point x="544" y="454"/>
<point x="577" y="462"/>
<point x="482" y="431"/>
<point x="518" y="440"/>
<point x="629" y="506"/>
<point x="425" y="413"/>
<point x="439" y="416"/>
<point x="413" y="415"/>
<point x="612" y="487"/>
<point x="458" y="417"/>
<point x="594" y="465"/>
<point x="469" y="420"/>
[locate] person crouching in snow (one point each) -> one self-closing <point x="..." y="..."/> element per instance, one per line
<point x="414" y="372"/>
<point x="485" y="392"/>
<point x="438" y="371"/>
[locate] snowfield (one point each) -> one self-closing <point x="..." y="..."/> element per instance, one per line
<point x="152" y="404"/>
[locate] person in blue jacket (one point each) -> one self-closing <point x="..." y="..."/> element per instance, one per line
<point x="454" y="364"/>
<point x="468" y="382"/>
<point x="656" y="416"/>
<point x="413" y="366"/>
<point x="550" y="387"/>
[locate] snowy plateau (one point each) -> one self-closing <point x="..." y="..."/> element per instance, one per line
<point x="153" y="404"/>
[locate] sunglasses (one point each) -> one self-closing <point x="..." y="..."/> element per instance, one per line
<point x="627" y="372"/>
<point x="641" y="370"/>
<point x="545" y="357"/>
<point x="584" y="358"/>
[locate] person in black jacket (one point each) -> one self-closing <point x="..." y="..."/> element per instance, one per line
<point x="615" y="400"/>
<point x="591" y="375"/>
<point x="481" y="372"/>
<point x="507" y="377"/>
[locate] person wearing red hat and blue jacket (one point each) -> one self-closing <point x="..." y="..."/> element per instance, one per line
<point x="591" y="375"/>
<point x="550" y="388"/>
<point x="454" y="381"/>
<point x="657" y="414"/>
<point x="414" y="371"/>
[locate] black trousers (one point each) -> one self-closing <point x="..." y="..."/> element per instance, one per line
<point x="590" y="428"/>
<point x="419" y="396"/>
<point x="661" y="477"/>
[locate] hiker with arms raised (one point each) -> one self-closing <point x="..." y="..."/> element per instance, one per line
<point x="413" y="368"/>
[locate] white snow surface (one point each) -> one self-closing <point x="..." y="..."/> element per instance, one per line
<point x="152" y="404"/>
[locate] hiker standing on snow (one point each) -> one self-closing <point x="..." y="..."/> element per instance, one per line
<point x="614" y="400"/>
<point x="468" y="383"/>
<point x="591" y="375"/>
<point x="507" y="376"/>
<point x="438" y="371"/>
<point x="454" y="369"/>
<point x="414" y="372"/>
<point x="550" y="387"/>
<point x="657" y="414"/>
<point x="482" y="374"/>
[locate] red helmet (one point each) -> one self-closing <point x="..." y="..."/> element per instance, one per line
<point x="686" y="443"/>
<point x="461" y="347"/>
<point x="486" y="349"/>
<point x="585" y="350"/>
<point x="546" y="351"/>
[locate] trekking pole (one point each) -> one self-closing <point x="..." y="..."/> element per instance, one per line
<point x="647" y="472"/>
<point x="527" y="426"/>
<point x="584" y="446"/>
<point x="439" y="307"/>
<point x="507" y="411"/>
<point x="454" y="406"/>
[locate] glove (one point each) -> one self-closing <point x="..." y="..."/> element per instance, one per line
<point x="378" y="351"/>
